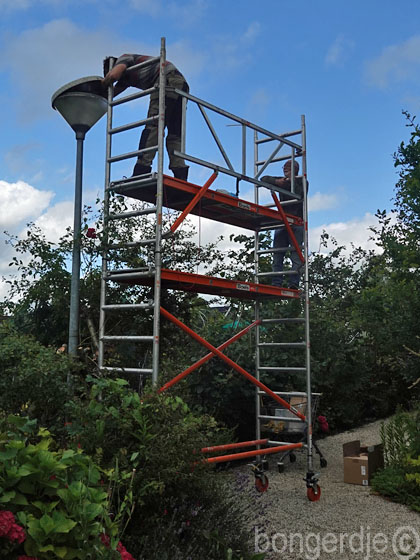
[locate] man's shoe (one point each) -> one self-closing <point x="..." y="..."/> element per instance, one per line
<point x="180" y="173"/>
<point x="140" y="169"/>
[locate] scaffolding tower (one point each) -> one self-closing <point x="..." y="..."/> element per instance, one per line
<point x="156" y="191"/>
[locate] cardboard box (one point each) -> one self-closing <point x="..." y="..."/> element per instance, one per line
<point x="360" y="462"/>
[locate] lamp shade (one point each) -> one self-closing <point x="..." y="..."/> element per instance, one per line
<point x="81" y="102"/>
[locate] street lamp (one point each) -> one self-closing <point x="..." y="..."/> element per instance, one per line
<point x="81" y="103"/>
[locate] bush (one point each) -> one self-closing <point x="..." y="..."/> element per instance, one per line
<point x="179" y="506"/>
<point x="400" y="479"/>
<point x="56" y="496"/>
<point x="33" y="378"/>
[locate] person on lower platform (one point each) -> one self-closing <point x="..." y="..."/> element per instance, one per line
<point x="145" y="78"/>
<point x="281" y="236"/>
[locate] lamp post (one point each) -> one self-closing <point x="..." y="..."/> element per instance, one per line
<point x="81" y="103"/>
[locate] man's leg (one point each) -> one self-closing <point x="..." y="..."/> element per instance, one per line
<point x="281" y="239"/>
<point x="149" y="137"/>
<point x="174" y="125"/>
<point x="297" y="264"/>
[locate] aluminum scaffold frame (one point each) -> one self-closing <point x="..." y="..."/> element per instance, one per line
<point x="156" y="189"/>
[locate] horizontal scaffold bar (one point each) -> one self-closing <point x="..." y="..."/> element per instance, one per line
<point x="254" y="453"/>
<point x="234" y="445"/>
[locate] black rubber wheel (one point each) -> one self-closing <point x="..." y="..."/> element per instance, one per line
<point x="323" y="463"/>
<point x="292" y="458"/>
<point x="280" y="467"/>
<point x="265" y="465"/>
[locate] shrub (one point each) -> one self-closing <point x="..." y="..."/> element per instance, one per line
<point x="34" y="378"/>
<point x="56" y="497"/>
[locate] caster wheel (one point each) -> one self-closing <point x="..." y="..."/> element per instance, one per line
<point x="280" y="467"/>
<point x="313" y="493"/>
<point x="264" y="464"/>
<point x="261" y="483"/>
<point x="323" y="463"/>
<point x="292" y="457"/>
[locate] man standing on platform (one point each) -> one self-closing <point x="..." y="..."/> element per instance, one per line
<point x="281" y="237"/>
<point x="145" y="78"/>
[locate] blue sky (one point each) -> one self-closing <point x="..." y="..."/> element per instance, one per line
<point x="350" y="67"/>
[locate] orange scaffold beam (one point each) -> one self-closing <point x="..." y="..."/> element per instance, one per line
<point x="228" y="446"/>
<point x="208" y="357"/>
<point x="232" y="364"/>
<point x="288" y="228"/>
<point x="253" y="453"/>
<point x="193" y="202"/>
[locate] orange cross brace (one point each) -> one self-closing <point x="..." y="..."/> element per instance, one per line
<point x="232" y="364"/>
<point x="193" y="202"/>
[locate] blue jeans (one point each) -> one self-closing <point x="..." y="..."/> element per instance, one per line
<point x="281" y="239"/>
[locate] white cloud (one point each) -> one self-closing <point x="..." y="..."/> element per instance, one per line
<point x="20" y="201"/>
<point x="55" y="220"/>
<point x="254" y="29"/>
<point x="16" y="157"/>
<point x="338" y="51"/>
<point x="396" y="63"/>
<point x="77" y="52"/>
<point x="323" y="201"/>
<point x="354" y="231"/>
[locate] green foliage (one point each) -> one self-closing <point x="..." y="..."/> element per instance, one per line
<point x="33" y="378"/>
<point x="155" y="441"/>
<point x="400" y="479"/>
<point x="55" y="494"/>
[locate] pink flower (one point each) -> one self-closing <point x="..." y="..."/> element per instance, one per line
<point x="7" y="520"/>
<point x="16" y="533"/>
<point x="105" y="540"/>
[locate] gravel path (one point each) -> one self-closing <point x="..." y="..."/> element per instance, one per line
<point x="349" y="521"/>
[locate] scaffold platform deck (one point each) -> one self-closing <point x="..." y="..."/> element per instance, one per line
<point x="200" y="283"/>
<point x="214" y="205"/>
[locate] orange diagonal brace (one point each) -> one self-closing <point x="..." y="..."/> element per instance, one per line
<point x="231" y="363"/>
<point x="288" y="228"/>
<point x="207" y="357"/>
<point x="193" y="202"/>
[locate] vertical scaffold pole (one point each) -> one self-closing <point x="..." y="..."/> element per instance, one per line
<point x="306" y="302"/>
<point x="106" y="214"/>
<point x="159" y="205"/>
<point x="257" y="304"/>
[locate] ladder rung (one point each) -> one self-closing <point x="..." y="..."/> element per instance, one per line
<point x="277" y="250"/>
<point x="297" y="369"/>
<point x="132" y="214"/>
<point x="283" y="320"/>
<point x="131" y="244"/>
<point x="133" y="338"/>
<point x="132" y="125"/>
<point x="291" y="393"/>
<point x="129" y="155"/>
<point x="132" y="97"/>
<point x="282" y="273"/>
<point x="122" y="306"/>
<point x="128" y="276"/>
<point x="280" y="443"/>
<point x="281" y="418"/>
<point x="282" y="344"/>
<point x="131" y="183"/>
<point x="126" y="370"/>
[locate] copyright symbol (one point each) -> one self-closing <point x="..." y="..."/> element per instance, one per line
<point x="406" y="542"/>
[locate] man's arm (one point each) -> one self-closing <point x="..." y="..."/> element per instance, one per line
<point x="114" y="75"/>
